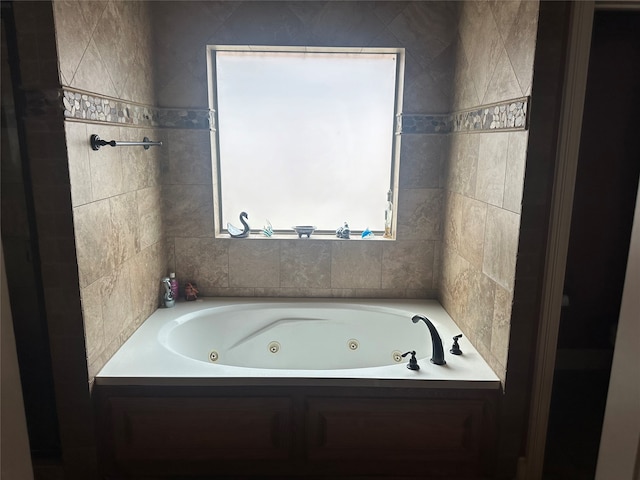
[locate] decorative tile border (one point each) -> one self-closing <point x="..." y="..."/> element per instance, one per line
<point x="421" y="123"/>
<point x="91" y="107"/>
<point x="510" y="115"/>
<point x="185" y="118"/>
<point x="83" y="106"/>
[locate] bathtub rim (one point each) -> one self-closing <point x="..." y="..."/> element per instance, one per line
<point x="477" y="376"/>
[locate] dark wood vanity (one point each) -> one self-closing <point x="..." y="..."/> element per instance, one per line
<point x="148" y="432"/>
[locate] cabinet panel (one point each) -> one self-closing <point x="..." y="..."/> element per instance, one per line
<point x="167" y="429"/>
<point x="295" y="432"/>
<point x="395" y="429"/>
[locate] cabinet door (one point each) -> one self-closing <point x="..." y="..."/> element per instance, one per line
<point x="172" y="429"/>
<point x="436" y="435"/>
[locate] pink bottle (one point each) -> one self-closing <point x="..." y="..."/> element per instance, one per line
<point x="174" y="285"/>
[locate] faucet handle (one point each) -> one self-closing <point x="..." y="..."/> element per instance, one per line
<point x="455" y="349"/>
<point x="413" y="363"/>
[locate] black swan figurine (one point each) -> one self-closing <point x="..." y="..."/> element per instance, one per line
<point x="235" y="232"/>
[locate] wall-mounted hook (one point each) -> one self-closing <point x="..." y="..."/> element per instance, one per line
<point x="97" y="142"/>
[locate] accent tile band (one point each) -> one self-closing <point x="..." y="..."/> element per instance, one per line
<point x="510" y="115"/>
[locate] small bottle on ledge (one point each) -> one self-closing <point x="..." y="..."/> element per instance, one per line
<point x="388" y="215"/>
<point x="174" y="285"/>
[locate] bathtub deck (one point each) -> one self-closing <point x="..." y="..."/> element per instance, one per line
<point x="142" y="360"/>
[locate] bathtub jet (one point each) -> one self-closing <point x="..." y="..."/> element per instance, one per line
<point x="437" y="356"/>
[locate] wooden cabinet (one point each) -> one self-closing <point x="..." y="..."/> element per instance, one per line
<point x="387" y="434"/>
<point x="162" y="432"/>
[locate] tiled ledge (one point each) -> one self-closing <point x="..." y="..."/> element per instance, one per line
<point x="83" y="106"/>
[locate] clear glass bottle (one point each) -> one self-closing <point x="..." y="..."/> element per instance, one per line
<point x="388" y="216"/>
<point x="174" y="285"/>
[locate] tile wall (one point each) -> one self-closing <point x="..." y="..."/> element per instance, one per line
<point x="113" y="222"/>
<point x="459" y="198"/>
<point x="407" y="267"/>
<point x="460" y="195"/>
<point x="116" y="193"/>
<point x="485" y="175"/>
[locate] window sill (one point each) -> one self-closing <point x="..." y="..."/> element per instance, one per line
<point x="314" y="236"/>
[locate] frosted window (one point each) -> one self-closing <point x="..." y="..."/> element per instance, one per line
<point x="305" y="138"/>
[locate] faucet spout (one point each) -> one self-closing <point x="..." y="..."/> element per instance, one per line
<point x="437" y="356"/>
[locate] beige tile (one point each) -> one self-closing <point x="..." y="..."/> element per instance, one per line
<point x="125" y="222"/>
<point x="136" y="65"/>
<point x="138" y="88"/>
<point x="504" y="83"/>
<point x="521" y="42"/>
<point x="79" y="171"/>
<point x="408" y="264"/>
<point x="259" y="23"/>
<point x="95" y="241"/>
<point x="140" y="167"/>
<point x="472" y="235"/>
<point x="479" y="309"/>
<point x="305" y="263"/>
<point x="73" y="33"/>
<point x="356" y="264"/>
<point x="481" y="41"/>
<point x="426" y="29"/>
<point x="204" y="261"/>
<point x="453" y="221"/>
<point x="501" y="246"/>
<point x="438" y="248"/>
<point x="492" y="162"/>
<point x="183" y="90"/>
<point x="516" y="162"/>
<point x="113" y="39"/>
<point x="463" y="164"/>
<point x="92" y="317"/>
<point x="107" y="177"/>
<point x="189" y="157"/>
<point x="149" y="205"/>
<point x="454" y="285"/>
<point x="442" y="70"/>
<point x="505" y="13"/>
<point x="420" y="214"/>
<point x="117" y="308"/>
<point x="422" y="93"/>
<point x="422" y="160"/>
<point x="254" y="263"/>
<point x="343" y="23"/>
<point x="188" y="210"/>
<point x="293" y="292"/>
<point x="92" y="74"/>
<point x="501" y="325"/>
<point x="146" y="269"/>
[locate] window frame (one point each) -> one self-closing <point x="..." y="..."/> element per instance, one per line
<point x="220" y="231"/>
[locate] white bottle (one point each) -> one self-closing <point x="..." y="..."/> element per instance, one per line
<point x="388" y="216"/>
<point x="174" y="285"/>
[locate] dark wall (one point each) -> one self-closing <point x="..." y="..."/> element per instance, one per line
<point x="19" y="241"/>
<point x="606" y="184"/>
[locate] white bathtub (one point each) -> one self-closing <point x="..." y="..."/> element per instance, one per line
<point x="239" y="341"/>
